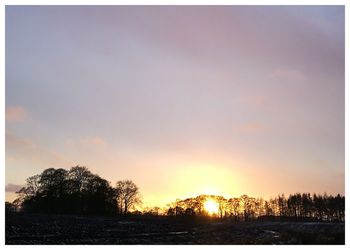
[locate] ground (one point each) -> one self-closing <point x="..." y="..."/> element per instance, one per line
<point x="68" y="229"/>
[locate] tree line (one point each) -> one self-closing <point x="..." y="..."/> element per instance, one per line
<point x="76" y="191"/>
<point x="299" y="206"/>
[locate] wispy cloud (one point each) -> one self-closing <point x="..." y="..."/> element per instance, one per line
<point x="287" y="73"/>
<point x="96" y="140"/>
<point x="90" y="142"/>
<point x="15" y="114"/>
<point x="12" y="187"/>
<point x="22" y="149"/>
<point x="250" y="127"/>
<point x="252" y="100"/>
<point x="88" y="150"/>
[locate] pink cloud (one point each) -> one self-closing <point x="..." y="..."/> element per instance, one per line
<point x="89" y="146"/>
<point x="21" y="149"/>
<point x="15" y="114"/>
<point x="17" y="142"/>
<point x="250" y="127"/>
<point x="98" y="141"/>
<point x="90" y="141"/>
<point x="287" y="73"/>
<point x="254" y="100"/>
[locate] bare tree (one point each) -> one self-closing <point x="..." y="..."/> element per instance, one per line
<point x="128" y="195"/>
<point x="221" y="201"/>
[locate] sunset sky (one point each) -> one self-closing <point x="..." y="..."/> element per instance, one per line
<point x="183" y="100"/>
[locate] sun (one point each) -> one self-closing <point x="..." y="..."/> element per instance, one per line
<point x="211" y="206"/>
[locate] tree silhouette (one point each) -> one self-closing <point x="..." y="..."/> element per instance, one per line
<point x="75" y="191"/>
<point x="222" y="202"/>
<point x="127" y="195"/>
<point x="298" y="206"/>
<point x="79" y="191"/>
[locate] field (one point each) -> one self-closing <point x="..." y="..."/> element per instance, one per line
<point x="49" y="229"/>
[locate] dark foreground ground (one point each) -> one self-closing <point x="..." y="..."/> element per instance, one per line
<point x="65" y="229"/>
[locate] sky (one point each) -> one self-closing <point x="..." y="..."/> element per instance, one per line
<point x="183" y="100"/>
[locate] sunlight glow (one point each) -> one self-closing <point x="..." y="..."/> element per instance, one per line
<point x="211" y="206"/>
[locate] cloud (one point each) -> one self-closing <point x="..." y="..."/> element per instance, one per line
<point x="253" y="100"/>
<point x="12" y="187"/>
<point x="287" y="74"/>
<point x="19" y="143"/>
<point x="22" y="149"/>
<point x="96" y="140"/>
<point x="90" y="143"/>
<point x="15" y="114"/>
<point x="250" y="127"/>
<point x="87" y="150"/>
